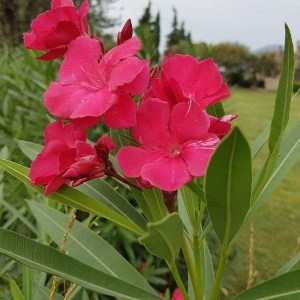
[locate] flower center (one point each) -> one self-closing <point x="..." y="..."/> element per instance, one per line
<point x="175" y="152"/>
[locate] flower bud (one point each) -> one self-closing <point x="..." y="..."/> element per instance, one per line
<point x="126" y="32"/>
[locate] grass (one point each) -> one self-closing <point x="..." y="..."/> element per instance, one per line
<point x="277" y="223"/>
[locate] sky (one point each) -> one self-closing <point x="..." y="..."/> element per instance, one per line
<point x="255" y="23"/>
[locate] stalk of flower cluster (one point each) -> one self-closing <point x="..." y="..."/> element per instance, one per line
<point x="64" y="239"/>
<point x="169" y="199"/>
<point x="110" y="171"/>
<point x="221" y="266"/>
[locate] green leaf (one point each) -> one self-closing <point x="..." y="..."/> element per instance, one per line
<point x="280" y="116"/>
<point x="289" y="155"/>
<point x="27" y="281"/>
<point x="100" y="190"/>
<point x="286" y="286"/>
<point x="260" y="141"/>
<point x="292" y="264"/>
<point x="86" y="246"/>
<point x="72" y="197"/>
<point x="31" y="150"/>
<point x="216" y="110"/>
<point x="164" y="237"/>
<point x="155" y="203"/>
<point x="228" y="185"/>
<point x="49" y="260"/>
<point x="284" y="92"/>
<point x="15" y="290"/>
<point x="42" y="292"/>
<point x="191" y="203"/>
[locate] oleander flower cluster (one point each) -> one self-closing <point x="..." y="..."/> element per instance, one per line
<point x="172" y="137"/>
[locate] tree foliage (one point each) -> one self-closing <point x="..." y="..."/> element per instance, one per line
<point x="148" y="30"/>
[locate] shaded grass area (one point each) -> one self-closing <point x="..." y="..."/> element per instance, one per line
<point x="277" y="223"/>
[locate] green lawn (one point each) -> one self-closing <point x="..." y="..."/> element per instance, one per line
<point x="277" y="224"/>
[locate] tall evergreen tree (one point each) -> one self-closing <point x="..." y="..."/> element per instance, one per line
<point x="148" y="30"/>
<point x="178" y="34"/>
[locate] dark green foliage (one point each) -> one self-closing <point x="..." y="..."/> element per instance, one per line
<point x="296" y="86"/>
<point x="148" y="30"/>
<point x="178" y="34"/>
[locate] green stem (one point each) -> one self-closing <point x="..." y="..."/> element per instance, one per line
<point x="197" y="259"/>
<point x="178" y="280"/>
<point x="191" y="269"/>
<point x="220" y="271"/>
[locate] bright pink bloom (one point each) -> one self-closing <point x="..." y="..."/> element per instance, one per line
<point x="92" y="85"/>
<point x="66" y="157"/>
<point x="221" y="126"/>
<point x="177" y="295"/>
<point x="54" y="29"/>
<point x="184" y="79"/>
<point x="175" y="144"/>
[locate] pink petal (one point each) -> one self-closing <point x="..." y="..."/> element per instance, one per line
<point x="182" y="68"/>
<point x="221" y="94"/>
<point x="63" y="34"/>
<point x="45" y="24"/>
<point x="122" y="114"/>
<point x="66" y="159"/>
<point x="177" y="295"/>
<point x="168" y="174"/>
<point x="55" y="184"/>
<point x="133" y="159"/>
<point x="84" y="149"/>
<point x="108" y="142"/>
<point x="188" y="122"/>
<point x="83" y="12"/>
<point x="53" y="54"/>
<point x="196" y="154"/>
<point x="80" y="65"/>
<point x="152" y="123"/>
<point x="209" y="87"/>
<point x="46" y="164"/>
<point x="73" y="102"/>
<point x="130" y="75"/>
<point x="221" y="126"/>
<point x="125" y="50"/>
<point x="86" y="122"/>
<point x="59" y="3"/>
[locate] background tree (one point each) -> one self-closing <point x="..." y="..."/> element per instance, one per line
<point x="178" y="35"/>
<point x="148" y="30"/>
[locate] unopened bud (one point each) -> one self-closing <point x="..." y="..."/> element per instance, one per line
<point x="154" y="71"/>
<point x="126" y="32"/>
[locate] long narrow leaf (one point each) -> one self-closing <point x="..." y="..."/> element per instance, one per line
<point x="284" y="92"/>
<point x="228" y="185"/>
<point x="72" y="197"/>
<point x="86" y="246"/>
<point x="286" y="286"/>
<point x="49" y="260"/>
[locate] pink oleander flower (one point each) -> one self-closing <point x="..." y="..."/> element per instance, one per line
<point x="54" y="29"/>
<point x="175" y="144"/>
<point x="177" y="295"/>
<point x="186" y="79"/>
<point x="92" y="85"/>
<point x="66" y="157"/>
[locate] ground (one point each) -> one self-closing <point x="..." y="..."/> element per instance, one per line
<point x="277" y="224"/>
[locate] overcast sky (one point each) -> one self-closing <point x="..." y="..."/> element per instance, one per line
<point x="256" y="23"/>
